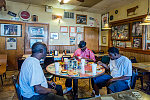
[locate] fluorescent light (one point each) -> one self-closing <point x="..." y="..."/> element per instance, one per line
<point x="64" y="1"/>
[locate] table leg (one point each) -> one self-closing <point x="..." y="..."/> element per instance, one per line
<point x="75" y="88"/>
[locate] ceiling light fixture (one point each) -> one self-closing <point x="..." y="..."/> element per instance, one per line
<point x="147" y="19"/>
<point x="63" y="1"/>
<point x="106" y="27"/>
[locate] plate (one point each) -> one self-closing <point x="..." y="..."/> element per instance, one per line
<point x="72" y="73"/>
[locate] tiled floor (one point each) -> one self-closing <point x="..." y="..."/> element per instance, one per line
<point x="7" y="91"/>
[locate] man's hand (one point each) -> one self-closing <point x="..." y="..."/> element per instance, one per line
<point x="53" y="91"/>
<point x="99" y="63"/>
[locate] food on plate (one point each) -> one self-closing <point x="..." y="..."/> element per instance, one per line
<point x="64" y="71"/>
<point x="72" y="73"/>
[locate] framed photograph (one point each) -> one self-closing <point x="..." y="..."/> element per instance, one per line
<point x="128" y="44"/>
<point x="148" y="46"/>
<point x="54" y="35"/>
<point x="104" y="19"/>
<point x="64" y="29"/>
<point x="136" y="42"/>
<point x="136" y="29"/>
<point x="104" y="39"/>
<point x="36" y="31"/>
<point x="81" y="19"/>
<point x="72" y="34"/>
<point x="120" y="32"/>
<point x="72" y="41"/>
<point x="11" y="30"/>
<point x="32" y="41"/>
<point x="11" y="43"/>
<point x="72" y="29"/>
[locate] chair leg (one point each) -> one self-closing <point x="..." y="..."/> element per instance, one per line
<point x="4" y="75"/>
<point x="1" y="79"/>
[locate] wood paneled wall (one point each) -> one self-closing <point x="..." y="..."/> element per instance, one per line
<point x="139" y="56"/>
<point x="60" y="48"/>
<point x="12" y="55"/>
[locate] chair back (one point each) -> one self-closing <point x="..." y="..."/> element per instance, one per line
<point x="105" y="59"/>
<point x="17" y="87"/>
<point x="48" y="60"/>
<point x="20" y="61"/>
<point x="101" y="52"/>
<point x="133" y="79"/>
<point x="3" y="63"/>
<point x="133" y="59"/>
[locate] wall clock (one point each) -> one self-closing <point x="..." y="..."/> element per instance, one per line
<point x="116" y="11"/>
<point x="24" y="15"/>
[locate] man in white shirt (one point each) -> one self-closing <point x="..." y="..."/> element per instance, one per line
<point x="120" y="68"/>
<point x="32" y="81"/>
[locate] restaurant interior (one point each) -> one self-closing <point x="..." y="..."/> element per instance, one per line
<point x="63" y="25"/>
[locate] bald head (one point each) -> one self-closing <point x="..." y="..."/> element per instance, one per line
<point x="39" y="47"/>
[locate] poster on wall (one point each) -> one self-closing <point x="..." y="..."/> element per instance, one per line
<point x="136" y="29"/>
<point x="73" y="34"/>
<point x="32" y="41"/>
<point x="35" y="31"/>
<point x="64" y="29"/>
<point x="104" y="39"/>
<point x="11" y="43"/>
<point x="72" y="41"/>
<point x="72" y="29"/>
<point x="137" y="43"/>
<point x="104" y="19"/>
<point x="79" y="38"/>
<point x="54" y="36"/>
<point x="10" y="30"/>
<point x="80" y="29"/>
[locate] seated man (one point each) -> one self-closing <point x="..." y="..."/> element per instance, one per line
<point x="81" y="53"/>
<point x="120" y="68"/>
<point x="32" y="81"/>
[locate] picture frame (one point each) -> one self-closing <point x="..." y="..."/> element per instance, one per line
<point x="81" y="19"/>
<point x="36" y="31"/>
<point x="137" y="29"/>
<point x="34" y="40"/>
<point x="72" y="41"/>
<point x="137" y="42"/>
<point x="79" y="29"/>
<point x="64" y="29"/>
<point x="54" y="35"/>
<point x="72" y="34"/>
<point x="120" y="32"/>
<point x="14" y="30"/>
<point x="148" y="46"/>
<point x="104" y="39"/>
<point x="104" y="20"/>
<point x="11" y="43"/>
<point x="72" y="29"/>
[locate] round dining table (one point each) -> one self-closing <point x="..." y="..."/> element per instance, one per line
<point x="68" y="74"/>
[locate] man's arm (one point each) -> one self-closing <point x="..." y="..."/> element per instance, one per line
<point x="120" y="78"/>
<point x="42" y="90"/>
<point x="102" y="64"/>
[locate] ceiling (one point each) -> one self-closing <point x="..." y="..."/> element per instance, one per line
<point x="93" y="6"/>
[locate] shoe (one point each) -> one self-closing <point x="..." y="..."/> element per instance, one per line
<point x="67" y="89"/>
<point x="93" y="93"/>
<point x="97" y="95"/>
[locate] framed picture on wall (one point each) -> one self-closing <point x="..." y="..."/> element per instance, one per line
<point x="54" y="35"/>
<point x="36" y="31"/>
<point x="32" y="41"/>
<point x="137" y="42"/>
<point x="136" y="29"/>
<point x="120" y="32"/>
<point x="104" y="19"/>
<point x="72" y="29"/>
<point x="81" y="19"/>
<point x="148" y="46"/>
<point x="104" y="39"/>
<point x="11" y="43"/>
<point x="64" y="29"/>
<point x="11" y="30"/>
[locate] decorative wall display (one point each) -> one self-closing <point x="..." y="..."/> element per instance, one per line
<point x="34" y="18"/>
<point x="81" y="19"/>
<point x="72" y="29"/>
<point x="54" y="35"/>
<point x="12" y="13"/>
<point x="79" y="38"/>
<point x="36" y="31"/>
<point x="128" y="44"/>
<point x="131" y="11"/>
<point x="80" y="29"/>
<point x="32" y="41"/>
<point x="148" y="46"/>
<point x="136" y="29"/>
<point x="137" y="43"/>
<point x="148" y="32"/>
<point x="11" y="43"/>
<point x="25" y="15"/>
<point x="104" y="39"/>
<point x="11" y="30"/>
<point x="120" y="32"/>
<point x="64" y="29"/>
<point x="72" y="41"/>
<point x="72" y="34"/>
<point x="104" y="19"/>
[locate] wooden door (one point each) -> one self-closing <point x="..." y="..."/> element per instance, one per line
<point x="91" y="37"/>
<point x="35" y="32"/>
<point x="12" y="55"/>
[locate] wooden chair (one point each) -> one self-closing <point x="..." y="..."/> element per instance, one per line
<point x="3" y="64"/>
<point x="101" y="52"/>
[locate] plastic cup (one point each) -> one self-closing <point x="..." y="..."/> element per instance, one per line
<point x="94" y="68"/>
<point x="57" y="67"/>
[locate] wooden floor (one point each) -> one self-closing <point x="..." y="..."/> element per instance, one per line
<point x="7" y="91"/>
